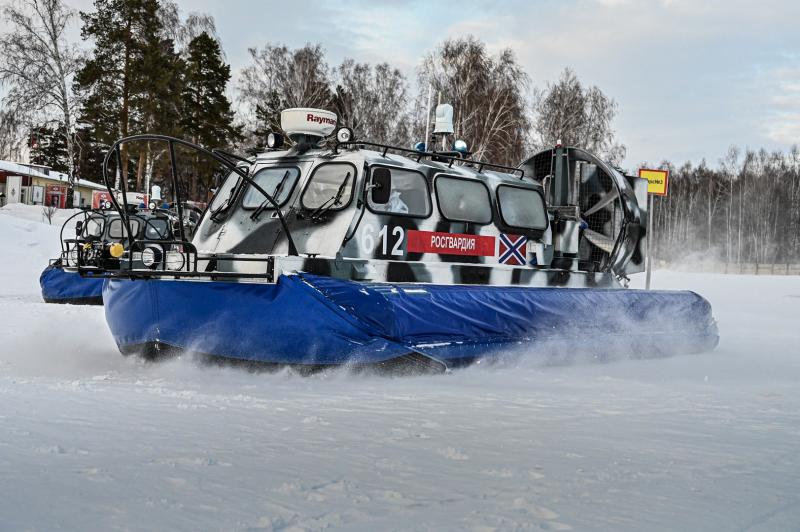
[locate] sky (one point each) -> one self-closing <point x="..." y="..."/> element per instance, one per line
<point x="691" y="77"/>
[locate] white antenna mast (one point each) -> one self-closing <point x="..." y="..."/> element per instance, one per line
<point x="428" y="117"/>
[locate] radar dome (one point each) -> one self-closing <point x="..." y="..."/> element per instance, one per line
<point x="302" y="121"/>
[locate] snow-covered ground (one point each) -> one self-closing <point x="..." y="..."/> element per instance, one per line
<point x="90" y="440"/>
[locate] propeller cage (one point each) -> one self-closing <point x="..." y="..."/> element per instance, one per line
<point x="598" y="215"/>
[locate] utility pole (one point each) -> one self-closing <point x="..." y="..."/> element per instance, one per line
<point x="657" y="185"/>
<point x="649" y="260"/>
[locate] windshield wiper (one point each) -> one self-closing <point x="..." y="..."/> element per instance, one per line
<point x="332" y="202"/>
<point x="215" y="214"/>
<point x="266" y="202"/>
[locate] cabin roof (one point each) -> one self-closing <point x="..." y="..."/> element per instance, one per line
<point x="372" y="157"/>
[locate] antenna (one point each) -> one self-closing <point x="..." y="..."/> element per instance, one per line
<point x="428" y="117"/>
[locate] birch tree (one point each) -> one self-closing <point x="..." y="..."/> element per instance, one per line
<point x="38" y="65"/>
<point x="487" y="94"/>
<point x="11" y="135"/>
<point x="373" y="101"/>
<point x="280" y="78"/>
<point x="576" y="115"/>
<point x="183" y="30"/>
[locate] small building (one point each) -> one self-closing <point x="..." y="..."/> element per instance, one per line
<point x="33" y="184"/>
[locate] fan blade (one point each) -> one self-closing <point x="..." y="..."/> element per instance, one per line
<point x="600" y="240"/>
<point x="605" y="200"/>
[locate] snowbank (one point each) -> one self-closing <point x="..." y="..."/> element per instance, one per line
<point x="90" y="440"/>
<point x="36" y="213"/>
<point x="26" y="246"/>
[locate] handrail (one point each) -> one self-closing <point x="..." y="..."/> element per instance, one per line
<point x="232" y="156"/>
<point x="421" y="154"/>
<point x="85" y="214"/>
<point x="217" y="156"/>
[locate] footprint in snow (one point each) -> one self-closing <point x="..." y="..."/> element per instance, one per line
<point x="50" y="449"/>
<point x="315" y="419"/>
<point x="500" y="473"/>
<point x="451" y="453"/>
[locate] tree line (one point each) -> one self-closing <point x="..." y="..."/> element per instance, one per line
<point x="144" y="67"/>
<point x="744" y="211"/>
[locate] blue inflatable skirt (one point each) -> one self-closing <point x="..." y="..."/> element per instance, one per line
<point x="311" y="320"/>
<point x="59" y="286"/>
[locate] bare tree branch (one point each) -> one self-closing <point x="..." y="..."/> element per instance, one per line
<point x="38" y="64"/>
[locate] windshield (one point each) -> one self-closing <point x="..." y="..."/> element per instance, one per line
<point x="223" y="195"/>
<point x="278" y="182"/>
<point x="93" y="227"/>
<point x="331" y="187"/>
<point x="116" y="229"/>
<point x="156" y="229"/>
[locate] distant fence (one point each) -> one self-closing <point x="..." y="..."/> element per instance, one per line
<point x="745" y="268"/>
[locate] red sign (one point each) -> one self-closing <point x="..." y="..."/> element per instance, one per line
<point x="450" y="243"/>
<point x="99" y="197"/>
<point x="56" y="196"/>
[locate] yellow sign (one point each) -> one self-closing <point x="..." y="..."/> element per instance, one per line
<point x="657" y="181"/>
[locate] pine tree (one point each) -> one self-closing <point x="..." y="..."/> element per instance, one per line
<point x="49" y="148"/>
<point x="207" y="115"/>
<point x="89" y="155"/>
<point x="131" y="83"/>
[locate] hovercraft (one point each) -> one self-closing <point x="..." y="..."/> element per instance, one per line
<point x="100" y="237"/>
<point x="342" y="251"/>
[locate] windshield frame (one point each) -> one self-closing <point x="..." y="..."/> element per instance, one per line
<point x="353" y="178"/>
<point x="103" y="225"/>
<point x="123" y="228"/>
<point x="269" y="206"/>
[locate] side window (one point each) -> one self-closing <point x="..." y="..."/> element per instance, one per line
<point x="521" y="207"/>
<point x="330" y="187"/>
<point x="399" y="191"/>
<point x="116" y="229"/>
<point x="278" y="182"/>
<point x="463" y="200"/>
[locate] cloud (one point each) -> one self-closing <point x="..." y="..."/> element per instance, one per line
<point x="782" y="117"/>
<point x="690" y="77"/>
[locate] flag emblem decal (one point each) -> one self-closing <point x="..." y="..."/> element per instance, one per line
<point x="511" y="249"/>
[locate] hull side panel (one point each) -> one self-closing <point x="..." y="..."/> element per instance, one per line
<point x="283" y="323"/>
<point x="59" y="286"/>
<point x="308" y="319"/>
<point x="457" y="321"/>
